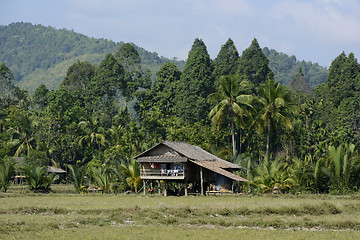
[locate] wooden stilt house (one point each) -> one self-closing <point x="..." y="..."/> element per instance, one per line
<point x="198" y="171"/>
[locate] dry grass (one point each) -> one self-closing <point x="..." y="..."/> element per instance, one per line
<point x="26" y="215"/>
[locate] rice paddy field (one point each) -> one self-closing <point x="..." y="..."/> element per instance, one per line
<point x="64" y="214"/>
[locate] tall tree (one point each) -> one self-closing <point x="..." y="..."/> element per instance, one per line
<point x="344" y="78"/>
<point x="6" y="85"/>
<point x="299" y="83"/>
<point x="40" y="96"/>
<point x="343" y="92"/>
<point x="253" y="65"/>
<point x="135" y="77"/>
<point x="230" y="103"/>
<point x="108" y="77"/>
<point x="227" y="61"/>
<point x="165" y="86"/>
<point x="276" y="105"/>
<point x="79" y="76"/>
<point x="104" y="88"/>
<point x="196" y="83"/>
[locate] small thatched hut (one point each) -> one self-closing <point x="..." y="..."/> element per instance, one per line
<point x="188" y="164"/>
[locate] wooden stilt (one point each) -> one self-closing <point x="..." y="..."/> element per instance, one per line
<point x="159" y="187"/>
<point x="201" y="181"/>
<point x="186" y="191"/>
<point x="144" y="186"/>
<point x="165" y="189"/>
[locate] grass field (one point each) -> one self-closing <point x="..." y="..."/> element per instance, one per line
<point x="66" y="215"/>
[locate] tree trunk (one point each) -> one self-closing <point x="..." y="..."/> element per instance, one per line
<point x="233" y="135"/>
<point x="240" y="141"/>
<point x="268" y="141"/>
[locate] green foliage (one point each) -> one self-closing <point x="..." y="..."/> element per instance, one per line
<point x="196" y="83"/>
<point x="41" y="55"/>
<point x="131" y="172"/>
<point x="227" y="60"/>
<point x="253" y="65"/>
<point x="299" y="83"/>
<point x="340" y="166"/>
<point x="286" y="68"/>
<point x="7" y="171"/>
<point x="37" y="180"/>
<point x="230" y="102"/>
<point x="78" y="176"/>
<point x="344" y="78"/>
<point x="40" y="97"/>
<point x="90" y="120"/>
<point x="102" y="178"/>
<point x="273" y="177"/>
<point x="276" y="105"/>
<point x="78" y="76"/>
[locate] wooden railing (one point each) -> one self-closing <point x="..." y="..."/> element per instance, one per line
<point x="161" y="172"/>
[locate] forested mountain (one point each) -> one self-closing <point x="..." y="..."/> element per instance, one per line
<point x="41" y="55"/>
<point x="286" y="67"/>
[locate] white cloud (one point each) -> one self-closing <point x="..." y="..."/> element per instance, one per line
<point x="321" y="20"/>
<point x="223" y="7"/>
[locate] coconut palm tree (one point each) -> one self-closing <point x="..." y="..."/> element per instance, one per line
<point x="275" y="105"/>
<point x="93" y="136"/>
<point x="21" y="134"/>
<point x="231" y="103"/>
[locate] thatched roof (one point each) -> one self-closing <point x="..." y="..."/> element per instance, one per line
<point x="211" y="166"/>
<point x="184" y="152"/>
<point x="51" y="169"/>
<point x="18" y="160"/>
<point x="162" y="158"/>
<point x="189" y="151"/>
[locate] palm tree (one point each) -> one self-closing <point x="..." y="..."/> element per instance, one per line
<point x="21" y="135"/>
<point x="7" y="171"/>
<point x="78" y="176"/>
<point x="273" y="177"/>
<point x="92" y="135"/>
<point x="230" y="103"/>
<point x="276" y="104"/>
<point x="102" y="178"/>
<point x="131" y="172"/>
<point x="339" y="166"/>
<point x="37" y="179"/>
<point x="302" y="173"/>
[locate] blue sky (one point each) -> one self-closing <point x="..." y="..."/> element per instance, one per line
<point x="316" y="31"/>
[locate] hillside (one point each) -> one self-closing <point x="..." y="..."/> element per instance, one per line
<point x="286" y="68"/>
<point x="41" y="55"/>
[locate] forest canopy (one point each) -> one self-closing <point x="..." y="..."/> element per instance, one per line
<point x="287" y="139"/>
